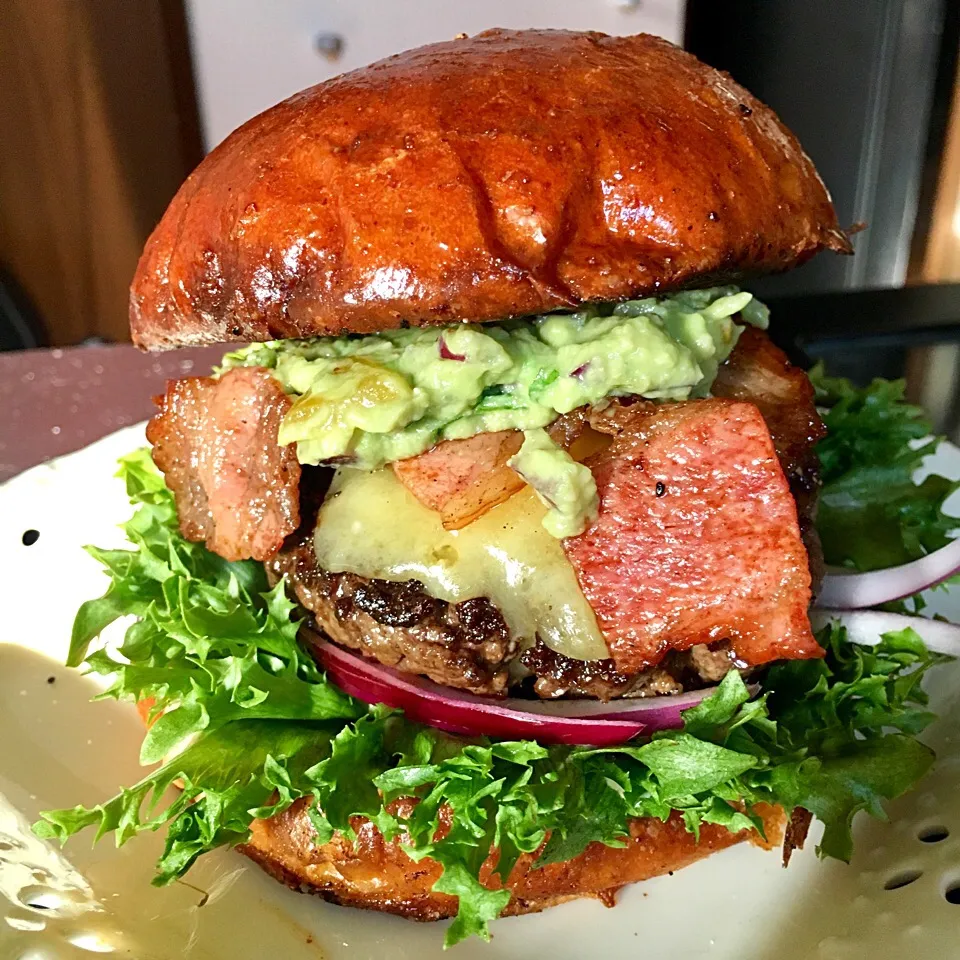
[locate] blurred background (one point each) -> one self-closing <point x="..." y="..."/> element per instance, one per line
<point x="106" y="106"/>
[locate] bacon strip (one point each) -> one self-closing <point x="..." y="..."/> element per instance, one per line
<point x="759" y="372"/>
<point x="215" y="441"/>
<point x="463" y="479"/>
<point x="697" y="538"/>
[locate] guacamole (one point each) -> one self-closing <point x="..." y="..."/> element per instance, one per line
<point x="565" y="486"/>
<point x="369" y="400"/>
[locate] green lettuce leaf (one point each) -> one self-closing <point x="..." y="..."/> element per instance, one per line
<point x="871" y="514"/>
<point x="212" y="643"/>
<point x="249" y="725"/>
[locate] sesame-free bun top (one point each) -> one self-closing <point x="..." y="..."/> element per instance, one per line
<point x="505" y="174"/>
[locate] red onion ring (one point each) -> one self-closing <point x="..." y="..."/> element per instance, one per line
<point x="849" y="590"/>
<point x="656" y="713"/>
<point x="866" y="626"/>
<point x="587" y="723"/>
<point x="446" y="353"/>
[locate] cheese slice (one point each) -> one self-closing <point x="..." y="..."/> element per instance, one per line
<point x="371" y="525"/>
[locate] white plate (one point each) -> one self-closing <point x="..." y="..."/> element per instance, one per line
<point x="58" y="749"/>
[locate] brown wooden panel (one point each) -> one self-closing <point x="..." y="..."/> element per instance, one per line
<point x="97" y="130"/>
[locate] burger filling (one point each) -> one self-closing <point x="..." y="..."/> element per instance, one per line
<point x="370" y="401"/>
<point x="616" y="502"/>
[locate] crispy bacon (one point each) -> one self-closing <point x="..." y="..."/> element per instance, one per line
<point x="697" y="538"/>
<point x="759" y="372"/>
<point x="215" y="441"/>
<point x="463" y="479"/>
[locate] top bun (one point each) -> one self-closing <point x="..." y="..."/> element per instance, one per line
<point x="510" y="173"/>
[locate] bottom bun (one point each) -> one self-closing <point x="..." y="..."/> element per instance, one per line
<point x="378" y="875"/>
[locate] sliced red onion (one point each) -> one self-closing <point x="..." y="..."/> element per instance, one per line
<point x="546" y="488"/>
<point x="446" y="353"/>
<point x="656" y="713"/>
<point x="585" y="722"/>
<point x="462" y="713"/>
<point x="580" y="371"/>
<point x="866" y="627"/>
<point x="848" y="589"/>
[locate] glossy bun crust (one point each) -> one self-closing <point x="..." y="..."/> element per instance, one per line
<point x="504" y="174"/>
<point x="379" y="876"/>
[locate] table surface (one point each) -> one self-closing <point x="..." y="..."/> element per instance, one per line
<point x="56" y="401"/>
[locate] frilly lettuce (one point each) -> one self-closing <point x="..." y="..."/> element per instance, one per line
<point x="871" y="514"/>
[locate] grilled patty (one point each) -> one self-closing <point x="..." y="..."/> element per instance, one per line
<point x="465" y="645"/>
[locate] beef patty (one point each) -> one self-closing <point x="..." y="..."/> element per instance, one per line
<point x="465" y="645"/>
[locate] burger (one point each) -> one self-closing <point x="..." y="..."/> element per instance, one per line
<point x="479" y="578"/>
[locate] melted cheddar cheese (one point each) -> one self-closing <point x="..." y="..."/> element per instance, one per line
<point x="371" y="525"/>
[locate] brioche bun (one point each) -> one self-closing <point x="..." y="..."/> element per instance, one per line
<point x="377" y="875"/>
<point x="505" y="174"/>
